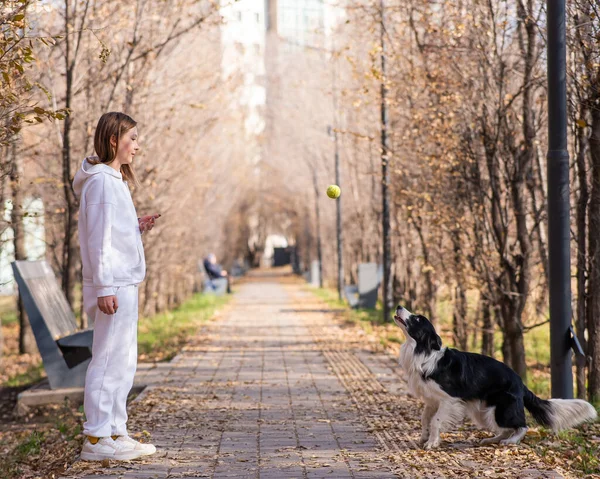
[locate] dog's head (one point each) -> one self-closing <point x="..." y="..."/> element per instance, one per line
<point x="419" y="329"/>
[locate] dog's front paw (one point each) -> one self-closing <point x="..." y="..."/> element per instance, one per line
<point x="432" y="443"/>
<point x="424" y="438"/>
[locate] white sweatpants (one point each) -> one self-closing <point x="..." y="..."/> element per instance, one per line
<point x="111" y="371"/>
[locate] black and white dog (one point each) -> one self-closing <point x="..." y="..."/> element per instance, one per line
<point x="452" y="383"/>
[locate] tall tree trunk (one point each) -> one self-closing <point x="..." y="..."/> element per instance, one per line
<point x="70" y="249"/>
<point x="593" y="305"/>
<point x="502" y="314"/>
<point x="535" y="188"/>
<point x="459" y="318"/>
<point x="459" y="313"/>
<point x="149" y="306"/>
<point x="388" y="298"/>
<point x="68" y="270"/>
<point x="515" y="338"/>
<point x="583" y="49"/>
<point x="523" y="169"/>
<point x="487" y="331"/>
<point x="26" y="339"/>
<point x="582" y="205"/>
<point x="1" y="343"/>
<point x="428" y="272"/>
<point x="318" y="226"/>
<point x="307" y="255"/>
<point x="2" y="202"/>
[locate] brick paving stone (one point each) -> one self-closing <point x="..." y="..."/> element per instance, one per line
<point x="260" y="395"/>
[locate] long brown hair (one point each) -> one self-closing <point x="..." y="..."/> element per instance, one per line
<point x="109" y="124"/>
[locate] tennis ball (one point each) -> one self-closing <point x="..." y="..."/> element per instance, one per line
<point x="333" y="191"/>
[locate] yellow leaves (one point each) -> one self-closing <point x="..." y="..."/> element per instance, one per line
<point x="376" y="74"/>
<point x="17" y="66"/>
<point x="104" y="53"/>
<point x="581" y="123"/>
<point x="40" y="180"/>
<point x="47" y="41"/>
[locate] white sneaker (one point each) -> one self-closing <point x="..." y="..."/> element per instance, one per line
<point x="145" y="449"/>
<point x="97" y="452"/>
<point x="106" y="448"/>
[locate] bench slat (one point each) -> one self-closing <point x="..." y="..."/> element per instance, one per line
<point x="49" y="298"/>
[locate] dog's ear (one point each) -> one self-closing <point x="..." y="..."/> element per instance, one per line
<point x="435" y="342"/>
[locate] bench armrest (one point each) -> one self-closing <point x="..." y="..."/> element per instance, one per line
<point x="81" y="339"/>
<point x="351" y="293"/>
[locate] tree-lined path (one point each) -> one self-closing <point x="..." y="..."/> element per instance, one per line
<point x="275" y="387"/>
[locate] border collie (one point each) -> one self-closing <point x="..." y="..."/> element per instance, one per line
<point x="452" y="383"/>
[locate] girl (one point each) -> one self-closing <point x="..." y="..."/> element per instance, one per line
<point x="113" y="262"/>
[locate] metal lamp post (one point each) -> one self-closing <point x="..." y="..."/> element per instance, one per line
<point x="558" y="205"/>
<point x="338" y="211"/>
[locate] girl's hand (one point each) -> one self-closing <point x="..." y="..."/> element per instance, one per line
<point x="108" y="304"/>
<point x="147" y="222"/>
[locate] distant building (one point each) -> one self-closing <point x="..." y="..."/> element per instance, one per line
<point x="307" y="23"/>
<point x="301" y="21"/>
<point x="243" y="43"/>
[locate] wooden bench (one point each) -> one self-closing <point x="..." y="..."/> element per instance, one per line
<point x="365" y="293"/>
<point x="66" y="350"/>
<point x="216" y="286"/>
<point x="313" y="276"/>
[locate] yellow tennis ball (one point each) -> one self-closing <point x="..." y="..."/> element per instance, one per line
<point x="333" y="191"/>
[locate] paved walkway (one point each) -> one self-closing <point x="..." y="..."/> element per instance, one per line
<point x="272" y="390"/>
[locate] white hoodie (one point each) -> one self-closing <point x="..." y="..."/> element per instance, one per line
<point x="112" y="252"/>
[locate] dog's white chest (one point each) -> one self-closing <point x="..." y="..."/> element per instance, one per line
<point x="416" y="367"/>
<point x="414" y="378"/>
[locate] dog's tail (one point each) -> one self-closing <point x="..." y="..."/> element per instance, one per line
<point x="559" y="414"/>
